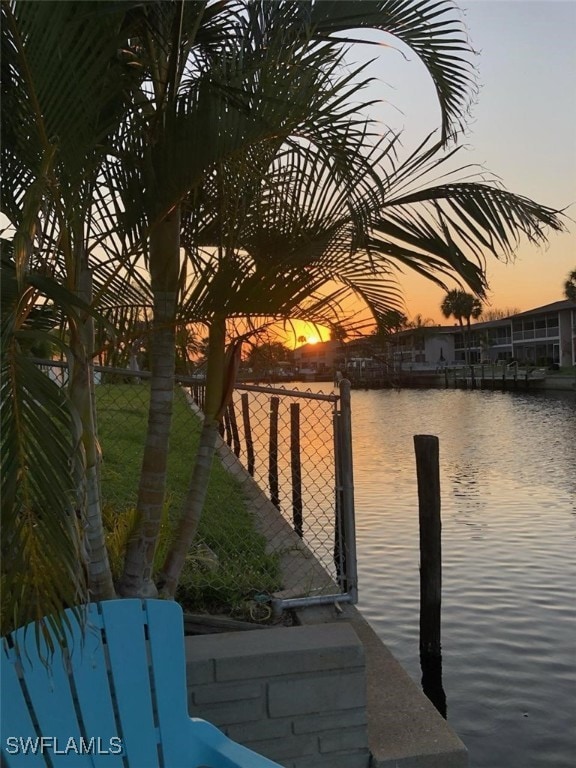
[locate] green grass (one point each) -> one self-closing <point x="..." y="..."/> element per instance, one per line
<point x="242" y="566"/>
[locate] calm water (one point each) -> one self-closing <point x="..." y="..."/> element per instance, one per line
<point x="508" y="475"/>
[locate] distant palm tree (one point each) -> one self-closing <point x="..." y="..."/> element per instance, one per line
<point x="420" y="327"/>
<point x="462" y="306"/>
<point x="420" y="322"/>
<point x="499" y="314"/>
<point x="570" y="286"/>
<point x="338" y="333"/>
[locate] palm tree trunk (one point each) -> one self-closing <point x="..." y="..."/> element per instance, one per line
<point x="464" y="337"/>
<point x="136" y="579"/>
<point x="196" y="496"/>
<point x="82" y="393"/>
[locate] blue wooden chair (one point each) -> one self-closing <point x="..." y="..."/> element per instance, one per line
<point x="115" y="698"/>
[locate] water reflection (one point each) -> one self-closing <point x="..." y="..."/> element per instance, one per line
<point x="432" y="685"/>
<point x="509" y="521"/>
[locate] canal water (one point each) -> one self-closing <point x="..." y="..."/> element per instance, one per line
<point x="508" y="480"/>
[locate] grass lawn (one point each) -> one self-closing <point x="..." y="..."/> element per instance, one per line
<point x="224" y="583"/>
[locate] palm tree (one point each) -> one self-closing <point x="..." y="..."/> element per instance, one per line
<point x="277" y="79"/>
<point x="298" y="231"/>
<point x="54" y="142"/>
<point x="462" y="306"/>
<point x="338" y="333"/>
<point x="270" y="244"/>
<point x="249" y="96"/>
<point x="570" y="286"/>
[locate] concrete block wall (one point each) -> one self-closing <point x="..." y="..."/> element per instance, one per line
<point x="294" y="694"/>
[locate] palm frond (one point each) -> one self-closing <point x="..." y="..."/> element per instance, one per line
<point x="431" y="28"/>
<point x="42" y="557"/>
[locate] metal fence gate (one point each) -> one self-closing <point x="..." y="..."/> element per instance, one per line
<point x="288" y="452"/>
<point x="297" y="447"/>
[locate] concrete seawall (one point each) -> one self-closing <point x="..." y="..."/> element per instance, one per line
<point x="324" y="694"/>
<point x="294" y="694"/>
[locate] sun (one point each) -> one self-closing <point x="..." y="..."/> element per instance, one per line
<point x="313" y="340"/>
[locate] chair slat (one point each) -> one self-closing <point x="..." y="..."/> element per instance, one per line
<point x="93" y="691"/>
<point x="16" y="722"/>
<point x="166" y="634"/>
<point x="180" y="733"/>
<point x="50" y="694"/>
<point x="124" y="622"/>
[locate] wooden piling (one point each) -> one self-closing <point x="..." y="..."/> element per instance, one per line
<point x="428" y="475"/>
<point x="432" y="685"/>
<point x="296" y="469"/>
<point x="273" y="453"/>
<point x="247" y="433"/>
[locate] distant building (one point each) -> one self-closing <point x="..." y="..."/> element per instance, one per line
<point x="319" y="357"/>
<point x="543" y="336"/>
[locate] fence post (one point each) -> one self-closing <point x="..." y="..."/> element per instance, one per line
<point x="247" y="433"/>
<point x="228" y="430"/>
<point x="347" y="491"/>
<point x="273" y="453"/>
<point x="296" y="468"/>
<point x="234" y="428"/>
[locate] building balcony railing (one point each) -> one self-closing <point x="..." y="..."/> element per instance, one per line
<point x="540" y="333"/>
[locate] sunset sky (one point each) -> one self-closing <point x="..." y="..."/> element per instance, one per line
<point x="522" y="128"/>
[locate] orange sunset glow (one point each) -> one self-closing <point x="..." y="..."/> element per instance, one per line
<point x="499" y="137"/>
<point x="297" y="333"/>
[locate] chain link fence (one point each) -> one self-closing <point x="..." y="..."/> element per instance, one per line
<point x="295" y="447"/>
<point x="278" y="526"/>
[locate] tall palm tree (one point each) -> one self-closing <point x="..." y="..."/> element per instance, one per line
<point x="58" y="111"/>
<point x="262" y="89"/>
<point x="277" y="78"/>
<point x="397" y="232"/>
<point x="570" y="286"/>
<point x="260" y="245"/>
<point x="462" y="306"/>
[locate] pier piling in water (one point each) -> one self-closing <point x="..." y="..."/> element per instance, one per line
<point x="428" y="475"/>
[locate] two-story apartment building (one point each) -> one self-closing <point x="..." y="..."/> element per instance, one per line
<point x="543" y="336"/>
